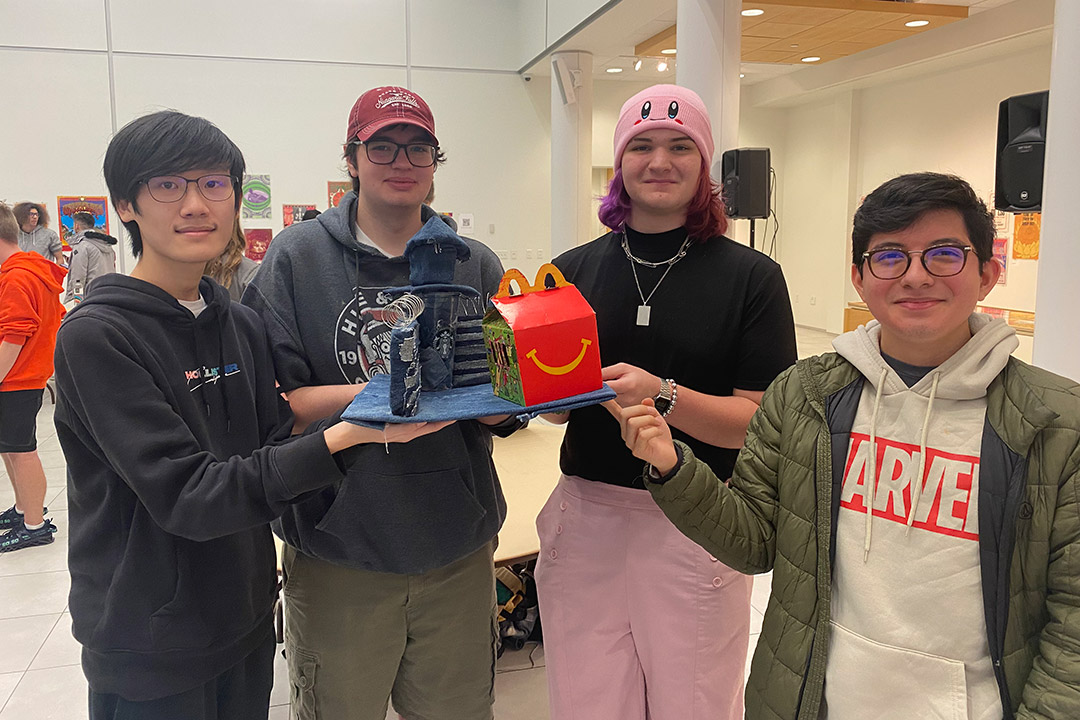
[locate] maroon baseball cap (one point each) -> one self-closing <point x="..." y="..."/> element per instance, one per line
<point x="384" y="106"/>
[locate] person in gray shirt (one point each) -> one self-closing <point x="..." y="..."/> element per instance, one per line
<point x="92" y="256"/>
<point x="34" y="232"/>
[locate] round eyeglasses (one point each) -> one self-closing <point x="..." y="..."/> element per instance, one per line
<point x="939" y="261"/>
<point x="385" y="152"/>
<point x="172" y="188"/>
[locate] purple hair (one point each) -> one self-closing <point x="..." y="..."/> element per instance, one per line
<point x="704" y="216"/>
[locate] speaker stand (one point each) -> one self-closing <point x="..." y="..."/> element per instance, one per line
<point x="752" y="224"/>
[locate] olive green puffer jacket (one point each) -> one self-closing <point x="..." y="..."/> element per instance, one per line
<point x="778" y="514"/>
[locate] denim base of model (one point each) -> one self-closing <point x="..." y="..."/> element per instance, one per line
<point x="371" y="406"/>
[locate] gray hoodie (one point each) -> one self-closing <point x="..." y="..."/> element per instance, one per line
<point x="422" y="505"/>
<point x="92" y="256"/>
<point x="41" y="240"/>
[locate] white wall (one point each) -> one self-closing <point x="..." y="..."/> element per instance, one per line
<point x="838" y="145"/>
<point x="280" y="81"/>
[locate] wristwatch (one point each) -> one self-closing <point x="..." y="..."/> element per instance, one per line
<point x="665" y="399"/>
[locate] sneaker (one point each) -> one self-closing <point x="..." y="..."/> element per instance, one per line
<point x="19" y="537"/>
<point x="11" y="518"/>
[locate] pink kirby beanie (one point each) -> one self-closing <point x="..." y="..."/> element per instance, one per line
<point x="664" y="107"/>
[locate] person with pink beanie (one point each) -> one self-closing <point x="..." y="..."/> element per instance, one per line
<point x="638" y="620"/>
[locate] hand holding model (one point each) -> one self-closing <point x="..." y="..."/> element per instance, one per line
<point x="646" y="434"/>
<point x="630" y="383"/>
<point x="345" y="434"/>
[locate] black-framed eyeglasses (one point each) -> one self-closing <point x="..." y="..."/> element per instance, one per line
<point x="939" y="261"/>
<point x="172" y="188"/>
<point x="385" y="152"/>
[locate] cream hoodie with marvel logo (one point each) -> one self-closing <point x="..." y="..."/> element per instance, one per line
<point x="908" y="635"/>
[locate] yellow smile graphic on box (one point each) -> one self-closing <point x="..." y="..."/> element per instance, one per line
<point x="563" y="369"/>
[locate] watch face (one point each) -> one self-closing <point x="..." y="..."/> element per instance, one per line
<point x="662" y="403"/>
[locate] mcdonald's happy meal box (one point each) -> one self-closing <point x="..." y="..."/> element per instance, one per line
<point x="541" y="343"/>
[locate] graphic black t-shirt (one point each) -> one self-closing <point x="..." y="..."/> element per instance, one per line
<point x="720" y="320"/>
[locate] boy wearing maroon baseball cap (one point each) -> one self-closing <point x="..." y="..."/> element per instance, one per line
<point x="388" y="578"/>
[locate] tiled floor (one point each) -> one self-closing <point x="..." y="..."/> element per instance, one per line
<point x="40" y="676"/>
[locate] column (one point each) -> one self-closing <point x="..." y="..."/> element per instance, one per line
<point x="1057" y="294"/>
<point x="708" y="45"/>
<point x="571" y="149"/>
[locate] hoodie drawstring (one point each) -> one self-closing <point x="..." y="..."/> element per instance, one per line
<point x="871" y="467"/>
<point x="221" y="371"/>
<point x="356" y="300"/>
<point x="917" y="485"/>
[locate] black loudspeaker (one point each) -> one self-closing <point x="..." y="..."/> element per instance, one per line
<point x="746" y="182"/>
<point x="1021" y="149"/>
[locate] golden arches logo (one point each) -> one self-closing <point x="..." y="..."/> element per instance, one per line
<point x="562" y="369"/>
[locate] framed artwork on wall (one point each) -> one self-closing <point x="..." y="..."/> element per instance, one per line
<point x="294" y="213"/>
<point x="258" y="240"/>
<point x="335" y="190"/>
<point x="68" y="205"/>
<point x="255" y="197"/>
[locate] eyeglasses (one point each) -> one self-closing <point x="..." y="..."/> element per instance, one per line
<point x="172" y="188"/>
<point x="385" y="152"/>
<point x="939" y="261"/>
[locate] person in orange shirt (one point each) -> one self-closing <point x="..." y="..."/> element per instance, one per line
<point x="30" y="314"/>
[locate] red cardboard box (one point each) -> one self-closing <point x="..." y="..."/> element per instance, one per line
<point x="542" y="343"/>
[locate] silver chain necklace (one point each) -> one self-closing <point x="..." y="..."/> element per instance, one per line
<point x="644" y="311"/>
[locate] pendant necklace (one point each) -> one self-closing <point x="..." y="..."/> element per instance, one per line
<point x="644" y="311"/>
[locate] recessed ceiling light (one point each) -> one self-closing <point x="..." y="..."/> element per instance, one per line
<point x="917" y="23"/>
<point x="661" y="66"/>
<point x="794" y="45"/>
<point x="753" y="13"/>
<point x="742" y="75"/>
<point x="668" y="51"/>
<point x="810" y="59"/>
<point x="637" y="64"/>
<point x="614" y="70"/>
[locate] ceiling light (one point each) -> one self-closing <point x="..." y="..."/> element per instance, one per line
<point x="614" y="70"/>
<point x="810" y="59"/>
<point x="742" y="75"/>
<point x="637" y="64"/>
<point x="917" y="23"/>
<point x="661" y="66"/>
<point x="753" y="13"/>
<point x="668" y="51"/>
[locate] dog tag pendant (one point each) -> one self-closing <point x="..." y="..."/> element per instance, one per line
<point x="643" y="312"/>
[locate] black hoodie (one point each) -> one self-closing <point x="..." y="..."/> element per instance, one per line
<point x="162" y="417"/>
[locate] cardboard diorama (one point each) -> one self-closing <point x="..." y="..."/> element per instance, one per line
<point x="541" y="343"/>
<point x="444" y="351"/>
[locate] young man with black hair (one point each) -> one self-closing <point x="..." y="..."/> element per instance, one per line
<point x="957" y="595"/>
<point x="176" y="467"/>
<point x="92" y="256"/>
<point x="388" y="578"/>
<point x="30" y="313"/>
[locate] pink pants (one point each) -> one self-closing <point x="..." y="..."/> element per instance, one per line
<point x="639" y="621"/>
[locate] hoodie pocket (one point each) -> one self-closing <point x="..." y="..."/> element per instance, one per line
<point x="178" y="625"/>
<point x="405" y="520"/>
<point x="866" y="678"/>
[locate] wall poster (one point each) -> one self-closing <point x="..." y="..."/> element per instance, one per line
<point x="335" y="190"/>
<point x="68" y="205"/>
<point x="255" y="197"/>
<point x="258" y="240"/>
<point x="294" y="213"/>
<point x="1001" y="254"/>
<point x="1026" y="236"/>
